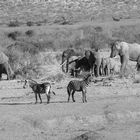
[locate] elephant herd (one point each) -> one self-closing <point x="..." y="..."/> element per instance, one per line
<point x="93" y="61"/>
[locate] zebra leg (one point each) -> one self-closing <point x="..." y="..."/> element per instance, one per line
<point x="40" y="98"/>
<point x="69" y="92"/>
<point x="83" y="96"/>
<point x="68" y="96"/>
<point x="48" y="92"/>
<point x="48" y="97"/>
<point x="35" y="98"/>
<point x="73" y="96"/>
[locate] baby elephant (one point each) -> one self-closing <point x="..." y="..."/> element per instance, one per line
<point x="44" y="88"/>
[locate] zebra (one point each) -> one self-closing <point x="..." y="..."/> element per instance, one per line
<point x="44" y="88"/>
<point x="80" y="86"/>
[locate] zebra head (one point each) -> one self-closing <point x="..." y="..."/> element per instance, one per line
<point x="30" y="82"/>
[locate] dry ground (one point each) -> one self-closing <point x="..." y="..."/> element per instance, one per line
<point x="111" y="113"/>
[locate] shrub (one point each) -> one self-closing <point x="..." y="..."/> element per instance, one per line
<point x="14" y="35"/>
<point x="43" y="45"/>
<point x="38" y="23"/>
<point x="98" y="29"/>
<point x="29" y="23"/>
<point x="29" y="33"/>
<point x="14" y="23"/>
<point x="116" y="18"/>
<point x="24" y="64"/>
<point x="61" y="20"/>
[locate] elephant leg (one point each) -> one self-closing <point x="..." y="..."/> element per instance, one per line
<point x="138" y="64"/>
<point x="95" y="71"/>
<point x="100" y="71"/>
<point x="123" y="65"/>
<point x="0" y="76"/>
<point x="108" y="71"/>
<point x="92" y="70"/>
<point x="103" y="71"/>
<point x="98" y="68"/>
<point x="6" y="68"/>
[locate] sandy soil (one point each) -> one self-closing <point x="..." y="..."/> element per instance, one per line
<point x="111" y="113"/>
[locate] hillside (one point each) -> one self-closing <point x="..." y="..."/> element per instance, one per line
<point x="67" y="11"/>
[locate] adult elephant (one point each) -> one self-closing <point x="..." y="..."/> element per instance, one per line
<point x="94" y="59"/>
<point x="66" y="55"/>
<point x="5" y="67"/>
<point x="80" y="64"/>
<point x="126" y="51"/>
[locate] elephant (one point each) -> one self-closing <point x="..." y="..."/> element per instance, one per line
<point x="5" y="67"/>
<point x="127" y="52"/>
<point x="94" y="59"/>
<point x="106" y="66"/>
<point x="80" y="64"/>
<point x="114" y="66"/>
<point x="109" y="66"/>
<point x="72" y="63"/>
<point x="66" y="55"/>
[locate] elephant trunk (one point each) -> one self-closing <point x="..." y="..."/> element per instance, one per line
<point x="111" y="55"/>
<point x="67" y="65"/>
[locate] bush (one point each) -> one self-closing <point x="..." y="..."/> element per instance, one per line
<point x="98" y="29"/>
<point x="29" y="33"/>
<point x="43" y="45"/>
<point x="24" y="64"/>
<point x="14" y="23"/>
<point x="29" y="23"/>
<point x="38" y="23"/>
<point x="61" y="20"/>
<point x="116" y="18"/>
<point x="14" y="35"/>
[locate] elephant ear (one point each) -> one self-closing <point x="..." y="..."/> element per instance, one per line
<point x="3" y="58"/>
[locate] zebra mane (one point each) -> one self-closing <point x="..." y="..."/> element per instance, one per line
<point x="31" y="82"/>
<point x="86" y="77"/>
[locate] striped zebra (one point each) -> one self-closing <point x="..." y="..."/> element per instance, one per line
<point x="44" y="88"/>
<point x="79" y="86"/>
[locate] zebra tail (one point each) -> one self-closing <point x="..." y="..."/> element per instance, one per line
<point x="53" y="93"/>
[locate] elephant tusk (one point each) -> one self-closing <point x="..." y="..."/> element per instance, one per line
<point x="63" y="63"/>
<point x="79" y="57"/>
